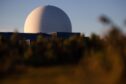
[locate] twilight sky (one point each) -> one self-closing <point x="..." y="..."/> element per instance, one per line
<point x="83" y="14"/>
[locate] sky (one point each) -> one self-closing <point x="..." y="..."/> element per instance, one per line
<point x="84" y="14"/>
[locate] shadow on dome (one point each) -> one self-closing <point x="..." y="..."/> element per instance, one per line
<point x="55" y="20"/>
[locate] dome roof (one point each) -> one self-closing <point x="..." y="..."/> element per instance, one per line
<point x="47" y="19"/>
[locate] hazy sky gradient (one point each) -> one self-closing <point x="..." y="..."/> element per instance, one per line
<point x="82" y="13"/>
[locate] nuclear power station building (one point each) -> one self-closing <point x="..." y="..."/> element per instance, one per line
<point x="46" y="20"/>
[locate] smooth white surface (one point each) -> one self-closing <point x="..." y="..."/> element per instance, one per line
<point x="47" y="19"/>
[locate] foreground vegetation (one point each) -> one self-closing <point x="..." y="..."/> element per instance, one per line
<point x="75" y="60"/>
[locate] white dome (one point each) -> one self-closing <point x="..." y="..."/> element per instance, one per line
<point x="47" y="19"/>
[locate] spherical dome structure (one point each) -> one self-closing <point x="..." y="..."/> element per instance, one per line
<point x="46" y="20"/>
